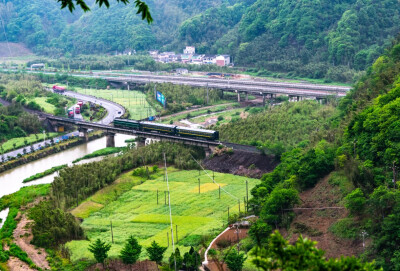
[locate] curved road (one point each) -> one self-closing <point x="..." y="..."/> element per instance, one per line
<point x="113" y="111"/>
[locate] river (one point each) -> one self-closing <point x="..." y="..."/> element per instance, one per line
<point x="11" y="180"/>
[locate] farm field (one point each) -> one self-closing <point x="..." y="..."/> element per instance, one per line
<point x="134" y="101"/>
<point x="131" y="204"/>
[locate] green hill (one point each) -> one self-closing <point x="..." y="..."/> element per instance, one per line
<point x="318" y="39"/>
<point x="358" y="148"/>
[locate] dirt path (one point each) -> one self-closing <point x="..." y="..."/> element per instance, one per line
<point x="15" y="264"/>
<point x="229" y="235"/>
<point x="315" y="224"/>
<point x="23" y="237"/>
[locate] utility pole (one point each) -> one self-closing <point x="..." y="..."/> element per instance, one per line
<point x="207" y="95"/>
<point x="247" y="195"/>
<point x="112" y="234"/>
<point x="177" y="240"/>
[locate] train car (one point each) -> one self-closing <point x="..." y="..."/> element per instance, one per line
<point x="199" y="133"/>
<point x="157" y="127"/>
<point x="129" y="124"/>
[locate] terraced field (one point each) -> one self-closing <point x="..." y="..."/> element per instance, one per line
<point x="131" y="204"/>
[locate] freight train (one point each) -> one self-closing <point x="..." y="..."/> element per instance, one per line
<point x="146" y="126"/>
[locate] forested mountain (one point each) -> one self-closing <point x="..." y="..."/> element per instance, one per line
<point x="34" y="23"/>
<point x="305" y="37"/>
<point x="357" y="148"/>
<point x="331" y="39"/>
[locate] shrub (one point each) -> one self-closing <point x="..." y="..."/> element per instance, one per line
<point x="355" y="202"/>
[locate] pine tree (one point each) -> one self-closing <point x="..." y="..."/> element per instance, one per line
<point x="131" y="251"/>
<point x="99" y="250"/>
<point x="178" y="259"/>
<point x="156" y="252"/>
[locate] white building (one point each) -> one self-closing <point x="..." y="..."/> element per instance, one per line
<point x="209" y="59"/>
<point x="223" y="60"/>
<point x="189" y="50"/>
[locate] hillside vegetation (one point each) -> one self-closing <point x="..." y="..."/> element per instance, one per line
<point x="363" y="151"/>
<point x="318" y="39"/>
<point x="282" y="127"/>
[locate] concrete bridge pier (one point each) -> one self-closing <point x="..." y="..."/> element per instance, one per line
<point x="110" y="139"/>
<point x="209" y="150"/>
<point x="83" y="133"/>
<point x="264" y="97"/>
<point x="238" y="96"/>
<point x="140" y="142"/>
<point x="320" y="100"/>
<point x="247" y="96"/>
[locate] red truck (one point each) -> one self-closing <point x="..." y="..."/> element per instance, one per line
<point x="77" y="110"/>
<point x="59" y="89"/>
<point x="70" y="113"/>
<point x="80" y="103"/>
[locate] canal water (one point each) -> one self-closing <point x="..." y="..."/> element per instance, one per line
<point x="11" y="180"/>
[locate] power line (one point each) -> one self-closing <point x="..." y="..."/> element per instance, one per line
<point x="316" y="208"/>
<point x="170" y="211"/>
<point x="214" y="180"/>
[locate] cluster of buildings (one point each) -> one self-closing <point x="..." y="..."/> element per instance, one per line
<point x="189" y="56"/>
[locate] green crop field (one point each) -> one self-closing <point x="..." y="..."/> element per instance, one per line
<point x="131" y="204"/>
<point x="134" y="101"/>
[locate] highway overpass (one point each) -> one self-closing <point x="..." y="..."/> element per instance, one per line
<point x="267" y="89"/>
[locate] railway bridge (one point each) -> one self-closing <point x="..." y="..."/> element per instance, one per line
<point x="110" y="131"/>
<point x="84" y="127"/>
<point x="266" y="89"/>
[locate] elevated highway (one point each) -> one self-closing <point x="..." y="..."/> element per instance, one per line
<point x="264" y="88"/>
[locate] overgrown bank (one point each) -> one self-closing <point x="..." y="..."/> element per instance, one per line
<point x="29" y="157"/>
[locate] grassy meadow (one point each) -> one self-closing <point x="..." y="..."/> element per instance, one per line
<point x="131" y="204"/>
<point x="47" y="107"/>
<point x="134" y="101"/>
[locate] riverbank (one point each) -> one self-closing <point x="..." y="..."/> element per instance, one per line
<point x="46" y="152"/>
<point x="102" y="152"/>
<point x="44" y="173"/>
